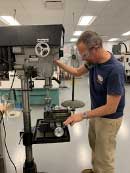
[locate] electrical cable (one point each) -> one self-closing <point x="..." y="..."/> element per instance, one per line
<point x="2" y="120"/>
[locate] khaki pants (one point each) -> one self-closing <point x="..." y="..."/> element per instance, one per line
<point x="102" y="139"/>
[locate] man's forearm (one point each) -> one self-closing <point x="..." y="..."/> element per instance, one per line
<point x="101" y="111"/>
<point x="67" y="68"/>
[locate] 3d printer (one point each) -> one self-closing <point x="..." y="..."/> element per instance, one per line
<point x="30" y="50"/>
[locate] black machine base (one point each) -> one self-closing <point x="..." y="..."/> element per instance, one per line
<point x="29" y="167"/>
<point x="44" y="132"/>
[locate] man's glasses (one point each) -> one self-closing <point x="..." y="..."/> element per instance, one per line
<point x="87" y="53"/>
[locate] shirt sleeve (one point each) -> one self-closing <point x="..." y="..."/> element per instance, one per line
<point x="88" y="65"/>
<point x="115" y="83"/>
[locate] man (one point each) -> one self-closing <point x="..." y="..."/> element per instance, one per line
<point x="107" y="93"/>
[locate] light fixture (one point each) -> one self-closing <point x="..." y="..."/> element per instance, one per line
<point x="77" y="33"/>
<point x="86" y="20"/>
<point x="126" y="33"/>
<point x="100" y="0"/>
<point x="113" y="39"/>
<point x="73" y="39"/>
<point x="9" y="20"/>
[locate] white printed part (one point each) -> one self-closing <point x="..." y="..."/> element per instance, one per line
<point x="14" y="113"/>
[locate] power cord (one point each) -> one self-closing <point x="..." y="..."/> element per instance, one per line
<point x="2" y="120"/>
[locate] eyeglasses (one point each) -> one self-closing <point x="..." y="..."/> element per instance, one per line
<point x="87" y="53"/>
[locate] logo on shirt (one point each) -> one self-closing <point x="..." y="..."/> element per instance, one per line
<point x="99" y="79"/>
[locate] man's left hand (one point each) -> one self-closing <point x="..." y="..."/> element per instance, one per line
<point x="3" y="107"/>
<point x="74" y="119"/>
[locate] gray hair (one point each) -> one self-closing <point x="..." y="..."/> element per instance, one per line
<point x="90" y="39"/>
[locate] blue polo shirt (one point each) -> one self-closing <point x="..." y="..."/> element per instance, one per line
<point x="107" y="79"/>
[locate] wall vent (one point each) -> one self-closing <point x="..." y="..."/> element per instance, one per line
<point x="54" y="4"/>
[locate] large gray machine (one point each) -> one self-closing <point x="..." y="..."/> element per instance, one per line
<point x="124" y="58"/>
<point x="30" y="51"/>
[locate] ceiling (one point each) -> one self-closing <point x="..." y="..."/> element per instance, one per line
<point x="112" y="17"/>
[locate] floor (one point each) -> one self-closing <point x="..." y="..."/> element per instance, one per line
<point x="69" y="157"/>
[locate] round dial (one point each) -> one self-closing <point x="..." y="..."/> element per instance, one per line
<point x="59" y="132"/>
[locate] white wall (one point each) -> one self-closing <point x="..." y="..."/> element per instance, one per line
<point x="108" y="45"/>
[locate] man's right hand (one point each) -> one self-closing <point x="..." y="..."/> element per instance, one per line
<point x="77" y="117"/>
<point x="55" y="61"/>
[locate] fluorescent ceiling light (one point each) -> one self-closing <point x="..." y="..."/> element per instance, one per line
<point x="126" y="33"/>
<point x="77" y="33"/>
<point x="73" y="39"/>
<point x="99" y="0"/>
<point x="113" y="39"/>
<point x="9" y="20"/>
<point x="86" y="20"/>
